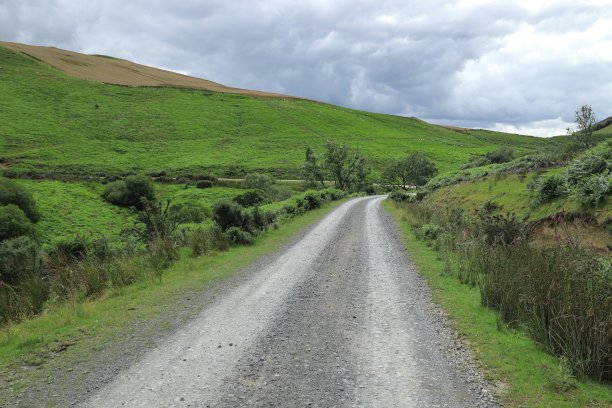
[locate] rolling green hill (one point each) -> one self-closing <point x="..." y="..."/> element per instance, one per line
<point x="57" y="126"/>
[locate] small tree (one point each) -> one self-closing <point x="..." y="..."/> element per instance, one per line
<point x="585" y="119"/>
<point x="414" y="169"/>
<point x="313" y="173"/>
<point x="348" y="170"/>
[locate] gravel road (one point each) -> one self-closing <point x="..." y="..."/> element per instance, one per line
<point x="338" y="319"/>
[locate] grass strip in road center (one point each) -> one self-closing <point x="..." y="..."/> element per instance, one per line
<point x="525" y="375"/>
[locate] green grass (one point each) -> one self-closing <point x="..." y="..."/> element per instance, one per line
<point x="60" y="126"/>
<point x="92" y="324"/>
<point x="524" y="373"/>
<point x="510" y="192"/>
<point x="77" y="208"/>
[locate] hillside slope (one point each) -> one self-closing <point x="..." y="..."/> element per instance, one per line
<point x="110" y="70"/>
<point x="54" y="125"/>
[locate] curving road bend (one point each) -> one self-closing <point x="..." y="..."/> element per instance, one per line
<point x="338" y="319"/>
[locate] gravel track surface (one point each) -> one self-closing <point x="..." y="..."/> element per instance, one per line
<point x="339" y="318"/>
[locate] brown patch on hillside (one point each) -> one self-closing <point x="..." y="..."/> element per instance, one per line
<point x="122" y="72"/>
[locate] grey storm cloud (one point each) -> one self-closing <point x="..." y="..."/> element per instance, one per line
<point x="521" y="66"/>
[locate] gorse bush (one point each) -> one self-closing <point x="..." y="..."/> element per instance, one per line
<point x="13" y="193"/>
<point x="502" y="230"/>
<point x="593" y="190"/>
<point x="228" y="214"/>
<point x="20" y="258"/>
<point x="258" y="181"/>
<point x="594" y="161"/>
<point x="238" y="236"/>
<point x="130" y="192"/>
<point x="548" y="188"/>
<point x="189" y="213"/>
<point x="250" y="198"/>
<point x="14" y="223"/>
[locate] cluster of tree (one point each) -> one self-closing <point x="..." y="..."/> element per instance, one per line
<point x="346" y="168"/>
<point x="413" y="170"/>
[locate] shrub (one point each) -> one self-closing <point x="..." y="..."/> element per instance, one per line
<point x="130" y="192"/>
<point x="402" y="196"/>
<point x="159" y="221"/>
<point x="311" y="201"/>
<point x="238" y="236"/>
<point x="258" y="181"/>
<point x="227" y="214"/>
<point x="501" y="155"/>
<point x="204" y="184"/>
<point x="279" y="193"/>
<point x="595" y="161"/>
<point x="188" y="213"/>
<point x="593" y="190"/>
<point x="14" y="223"/>
<point x="502" y="230"/>
<point x="162" y="252"/>
<point x="20" y="258"/>
<point x="250" y="198"/>
<point x="546" y="189"/>
<point x="429" y="232"/>
<point x="13" y="193"/>
<point x="262" y="219"/>
<point x="68" y="249"/>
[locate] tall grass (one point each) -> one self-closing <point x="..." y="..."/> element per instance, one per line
<point x="561" y="294"/>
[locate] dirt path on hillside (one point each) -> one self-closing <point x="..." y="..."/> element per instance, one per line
<point x="338" y="319"/>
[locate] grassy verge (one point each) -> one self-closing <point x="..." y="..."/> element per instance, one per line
<point x="87" y="326"/>
<point x="526" y="376"/>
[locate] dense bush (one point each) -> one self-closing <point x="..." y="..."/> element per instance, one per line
<point x="20" y="258"/>
<point x="258" y="181"/>
<point x="547" y="188"/>
<point x="130" y="192"/>
<point x="595" y="161"/>
<point x="188" y="213"/>
<point x="68" y="249"/>
<point x="204" y="184"/>
<point x="238" y="236"/>
<point x="13" y="193"/>
<point x="593" y="190"/>
<point x="402" y="196"/>
<point x="14" y="222"/>
<point x="251" y="198"/>
<point x="160" y="222"/>
<point x="228" y="214"/>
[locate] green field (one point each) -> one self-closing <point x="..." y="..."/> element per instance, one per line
<point x="56" y="126"/>
<point x="77" y="208"/>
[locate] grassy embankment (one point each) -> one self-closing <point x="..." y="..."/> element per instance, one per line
<point x="525" y="374"/>
<point x="57" y="126"/>
<point x="28" y="351"/>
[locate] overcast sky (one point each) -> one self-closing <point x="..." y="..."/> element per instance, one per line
<point x="519" y="66"/>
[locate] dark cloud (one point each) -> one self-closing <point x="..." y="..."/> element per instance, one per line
<point x="506" y="65"/>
